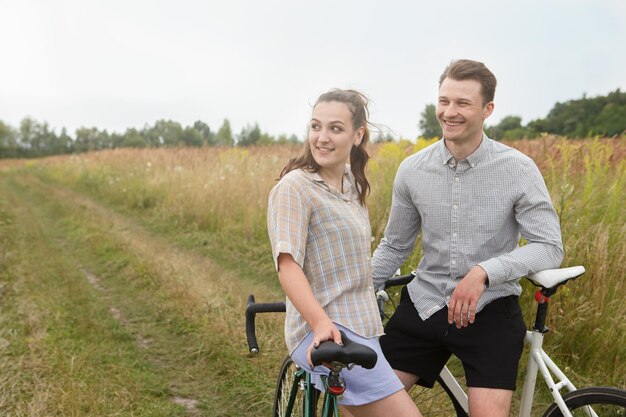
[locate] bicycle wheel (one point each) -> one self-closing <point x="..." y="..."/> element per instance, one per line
<point x="436" y="401"/>
<point x="292" y="384"/>
<point x="605" y="402"/>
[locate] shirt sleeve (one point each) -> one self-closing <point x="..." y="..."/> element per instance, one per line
<point x="287" y="221"/>
<point x="539" y="225"/>
<point x="400" y="234"/>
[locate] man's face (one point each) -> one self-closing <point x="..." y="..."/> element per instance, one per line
<point x="460" y="110"/>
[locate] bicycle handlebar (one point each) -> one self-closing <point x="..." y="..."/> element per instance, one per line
<point x="251" y="311"/>
<point x="398" y="280"/>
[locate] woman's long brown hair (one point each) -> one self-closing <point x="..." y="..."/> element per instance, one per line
<point x="357" y="103"/>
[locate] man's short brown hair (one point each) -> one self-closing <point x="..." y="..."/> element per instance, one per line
<point x="466" y="69"/>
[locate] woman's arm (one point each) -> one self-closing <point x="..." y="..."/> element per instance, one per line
<point x="299" y="292"/>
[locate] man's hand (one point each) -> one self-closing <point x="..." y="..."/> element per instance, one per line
<point x="462" y="306"/>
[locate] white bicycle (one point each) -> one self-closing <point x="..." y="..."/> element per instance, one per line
<point x="448" y="397"/>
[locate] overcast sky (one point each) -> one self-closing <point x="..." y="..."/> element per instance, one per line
<point x="117" y="64"/>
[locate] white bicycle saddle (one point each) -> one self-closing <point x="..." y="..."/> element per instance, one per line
<point x="550" y="278"/>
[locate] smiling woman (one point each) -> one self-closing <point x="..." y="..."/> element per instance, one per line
<point x="331" y="137"/>
<point x="320" y="235"/>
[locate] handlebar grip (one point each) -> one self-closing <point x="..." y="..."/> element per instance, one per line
<point x="251" y="311"/>
<point x="399" y="280"/>
<point x="253" y="346"/>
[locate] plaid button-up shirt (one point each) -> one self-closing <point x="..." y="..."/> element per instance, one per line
<point x="471" y="212"/>
<point x="328" y="234"/>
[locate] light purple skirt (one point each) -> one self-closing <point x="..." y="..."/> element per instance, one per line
<point x="363" y="386"/>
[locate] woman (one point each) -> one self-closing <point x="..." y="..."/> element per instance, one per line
<point x="320" y="234"/>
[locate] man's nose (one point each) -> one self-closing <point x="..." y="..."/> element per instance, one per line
<point x="450" y="110"/>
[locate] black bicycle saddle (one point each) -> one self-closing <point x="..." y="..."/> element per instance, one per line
<point x="350" y="353"/>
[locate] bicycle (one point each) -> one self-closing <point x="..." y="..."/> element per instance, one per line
<point x="295" y="393"/>
<point x="591" y="401"/>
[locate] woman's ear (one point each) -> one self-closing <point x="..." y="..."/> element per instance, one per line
<point x="359" y="136"/>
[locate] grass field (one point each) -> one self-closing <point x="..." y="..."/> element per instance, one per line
<point x="124" y="274"/>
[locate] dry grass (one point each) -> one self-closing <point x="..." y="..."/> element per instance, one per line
<point x="222" y="194"/>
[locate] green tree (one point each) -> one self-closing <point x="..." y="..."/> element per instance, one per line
<point x="60" y="144"/>
<point x="91" y="139"/>
<point x="8" y="142"/>
<point x="191" y="137"/>
<point x="164" y="133"/>
<point x="510" y="127"/>
<point x="250" y="135"/>
<point x="428" y="124"/>
<point x="208" y="136"/>
<point x="224" y="136"/>
<point x="132" y="138"/>
<point x="602" y="115"/>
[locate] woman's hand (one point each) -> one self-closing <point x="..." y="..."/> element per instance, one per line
<point x="325" y="330"/>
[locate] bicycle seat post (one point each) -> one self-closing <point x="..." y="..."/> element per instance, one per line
<point x="336" y="384"/>
<point x="542" y="297"/>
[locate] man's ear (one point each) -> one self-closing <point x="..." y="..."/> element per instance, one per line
<point x="488" y="109"/>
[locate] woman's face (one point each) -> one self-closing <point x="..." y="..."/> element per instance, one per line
<point x="331" y="135"/>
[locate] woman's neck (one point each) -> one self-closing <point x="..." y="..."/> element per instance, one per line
<point x="333" y="177"/>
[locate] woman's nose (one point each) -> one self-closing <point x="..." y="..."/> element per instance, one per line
<point x="323" y="135"/>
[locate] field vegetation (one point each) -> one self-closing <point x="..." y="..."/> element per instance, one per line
<point x="124" y="274"/>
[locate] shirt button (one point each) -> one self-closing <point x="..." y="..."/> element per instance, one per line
<point x="453" y="234"/>
<point x="455" y="207"/>
<point x="456" y="179"/>
<point x="453" y="262"/>
<point x="367" y="257"/>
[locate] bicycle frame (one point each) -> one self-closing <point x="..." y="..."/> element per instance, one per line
<point x="538" y="361"/>
<point x="302" y="381"/>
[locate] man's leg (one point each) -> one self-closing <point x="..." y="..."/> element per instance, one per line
<point x="489" y="402"/>
<point x="407" y="379"/>
<point x="490" y="350"/>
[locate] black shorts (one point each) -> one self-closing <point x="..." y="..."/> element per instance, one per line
<point x="489" y="349"/>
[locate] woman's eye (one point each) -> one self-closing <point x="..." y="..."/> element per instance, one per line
<point x="336" y="129"/>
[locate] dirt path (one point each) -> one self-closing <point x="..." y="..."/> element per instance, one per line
<point x="176" y="314"/>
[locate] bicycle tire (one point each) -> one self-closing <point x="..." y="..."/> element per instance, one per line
<point x="283" y="392"/>
<point x="437" y="401"/>
<point x="605" y="401"/>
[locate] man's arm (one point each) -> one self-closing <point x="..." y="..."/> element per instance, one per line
<point x="539" y="225"/>
<point x="400" y="234"/>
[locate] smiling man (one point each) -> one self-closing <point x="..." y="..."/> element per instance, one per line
<point x="470" y="198"/>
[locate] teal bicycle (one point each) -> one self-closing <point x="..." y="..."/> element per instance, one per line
<point x="295" y="393"/>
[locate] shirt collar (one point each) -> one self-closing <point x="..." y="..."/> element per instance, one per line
<point x="472" y="159"/>
<point x="347" y="181"/>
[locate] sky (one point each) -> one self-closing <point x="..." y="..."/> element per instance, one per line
<point x="118" y="64"/>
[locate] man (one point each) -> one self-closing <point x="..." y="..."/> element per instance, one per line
<point x="471" y="198"/>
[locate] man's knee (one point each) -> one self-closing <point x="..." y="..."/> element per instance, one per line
<point x="489" y="402"/>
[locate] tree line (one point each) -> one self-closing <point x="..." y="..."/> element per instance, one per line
<point x="35" y="139"/>
<point x="585" y="117"/>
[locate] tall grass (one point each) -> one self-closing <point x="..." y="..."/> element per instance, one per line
<point x="222" y="193"/>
